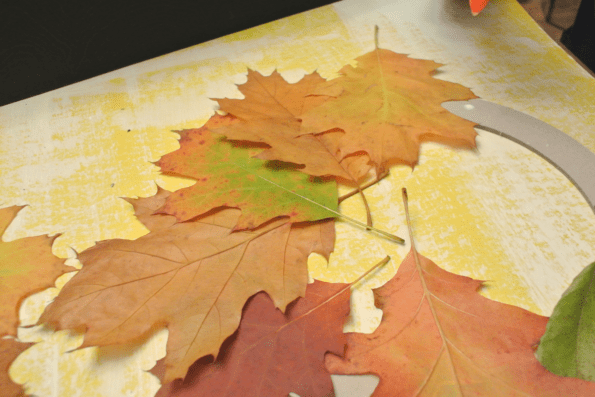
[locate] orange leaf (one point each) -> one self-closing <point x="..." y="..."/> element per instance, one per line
<point x="273" y="354"/>
<point x="192" y="277"/>
<point x="9" y="350"/>
<point x="270" y="113"/>
<point x="27" y="266"/>
<point x="439" y="337"/>
<point x="227" y="176"/>
<point x="388" y="105"/>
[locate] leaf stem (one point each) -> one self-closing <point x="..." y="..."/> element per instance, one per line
<point x="376" y="36"/>
<point x="359" y="189"/>
<point x="327" y="300"/>
<point x="427" y="295"/>
<point x="378" y="178"/>
<point x="348" y="286"/>
<point x="388" y="235"/>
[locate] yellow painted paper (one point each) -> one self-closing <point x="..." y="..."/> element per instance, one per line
<point x="500" y="213"/>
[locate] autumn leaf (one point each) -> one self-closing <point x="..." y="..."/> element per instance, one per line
<point x="227" y="176"/>
<point x="270" y="113"/>
<point x="192" y="277"/>
<point x="567" y="348"/>
<point x="273" y="354"/>
<point x="439" y="337"/>
<point x="9" y="351"/>
<point x="388" y="105"/>
<point x="27" y="266"/>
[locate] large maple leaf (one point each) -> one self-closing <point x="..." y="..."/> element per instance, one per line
<point x="192" y="277"/>
<point x="227" y="176"/>
<point x="273" y="353"/>
<point x="270" y="113"/>
<point x="9" y="350"/>
<point x="439" y="337"/>
<point x="388" y="105"/>
<point x="27" y="266"/>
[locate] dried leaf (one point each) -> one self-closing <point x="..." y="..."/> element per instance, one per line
<point x="27" y="266"/>
<point x="273" y="354"/>
<point x="439" y="337"/>
<point x="145" y="208"/>
<point x="191" y="277"/>
<point x="9" y="350"/>
<point x="568" y="346"/>
<point x="388" y="105"/>
<point x="228" y="176"/>
<point x="270" y="113"/>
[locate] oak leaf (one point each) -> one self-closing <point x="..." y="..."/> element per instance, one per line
<point x="439" y="337"/>
<point x="192" y="277"/>
<point x="567" y="347"/>
<point x="27" y="266"/>
<point x="273" y="354"/>
<point x="388" y="105"/>
<point x="9" y="350"/>
<point x="270" y="113"/>
<point x="227" y="176"/>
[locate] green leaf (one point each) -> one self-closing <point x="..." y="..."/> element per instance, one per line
<point x="568" y="346"/>
<point x="227" y="176"/>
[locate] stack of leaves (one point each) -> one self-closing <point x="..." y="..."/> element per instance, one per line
<point x="224" y="265"/>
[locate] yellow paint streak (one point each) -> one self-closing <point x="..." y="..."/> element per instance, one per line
<point x="533" y="74"/>
<point x="89" y="154"/>
<point x="297" y="45"/>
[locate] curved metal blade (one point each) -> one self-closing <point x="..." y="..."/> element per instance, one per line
<point x="570" y="157"/>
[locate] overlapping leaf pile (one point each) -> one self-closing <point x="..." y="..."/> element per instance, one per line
<point x="224" y="265"/>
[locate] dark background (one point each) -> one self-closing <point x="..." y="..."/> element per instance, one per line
<point x="48" y="44"/>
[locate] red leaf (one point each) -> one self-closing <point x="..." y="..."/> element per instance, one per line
<point x="439" y="337"/>
<point x="273" y="354"/>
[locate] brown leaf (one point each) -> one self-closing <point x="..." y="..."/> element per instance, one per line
<point x="9" y="350"/>
<point x="388" y="105"/>
<point x="270" y="113"/>
<point x="273" y="354"/>
<point x="145" y="208"/>
<point x="27" y="266"/>
<point x="191" y="277"/>
<point x="439" y="337"/>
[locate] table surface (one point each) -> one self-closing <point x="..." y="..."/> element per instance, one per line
<point x="498" y="213"/>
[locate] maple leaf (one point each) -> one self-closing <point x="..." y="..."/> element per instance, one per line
<point x="273" y="354"/>
<point x="388" y="105"/>
<point x="439" y="337"/>
<point x="192" y="277"/>
<point x="270" y="113"/>
<point x="567" y="347"/>
<point x="27" y="266"/>
<point x="9" y="350"/>
<point x="227" y="176"/>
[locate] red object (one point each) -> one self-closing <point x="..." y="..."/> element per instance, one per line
<point x="274" y="353"/>
<point x="477" y="5"/>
